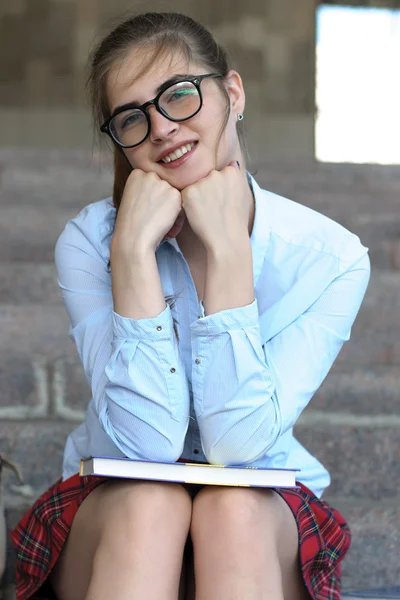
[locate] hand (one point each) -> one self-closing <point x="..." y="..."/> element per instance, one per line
<point x="150" y="208"/>
<point x="217" y="207"/>
<point x="177" y="226"/>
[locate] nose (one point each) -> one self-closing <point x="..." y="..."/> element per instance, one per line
<point x="161" y="127"/>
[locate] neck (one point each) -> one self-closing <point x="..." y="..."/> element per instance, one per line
<point x="190" y="244"/>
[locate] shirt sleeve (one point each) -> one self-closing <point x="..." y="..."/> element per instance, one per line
<point x="247" y="394"/>
<point x="134" y="367"/>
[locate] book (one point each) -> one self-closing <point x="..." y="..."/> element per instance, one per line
<point x="188" y="472"/>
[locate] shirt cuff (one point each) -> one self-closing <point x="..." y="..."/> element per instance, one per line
<point x="153" y="329"/>
<point x="226" y="320"/>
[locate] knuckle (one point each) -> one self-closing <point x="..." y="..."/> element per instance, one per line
<point x="152" y="176"/>
<point x="136" y="174"/>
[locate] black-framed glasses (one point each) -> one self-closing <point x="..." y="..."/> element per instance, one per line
<point x="130" y="125"/>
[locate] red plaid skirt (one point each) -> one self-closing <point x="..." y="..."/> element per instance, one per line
<point x="324" y="537"/>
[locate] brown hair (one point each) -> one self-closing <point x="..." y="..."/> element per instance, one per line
<point x="160" y="34"/>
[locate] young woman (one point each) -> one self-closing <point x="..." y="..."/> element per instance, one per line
<point x="206" y="312"/>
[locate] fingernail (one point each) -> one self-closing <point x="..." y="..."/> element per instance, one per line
<point x="238" y="164"/>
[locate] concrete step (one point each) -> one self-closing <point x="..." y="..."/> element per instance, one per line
<point x="357" y="391"/>
<point x="29" y="283"/>
<point x="61" y="184"/>
<point x="28" y="232"/>
<point x="365" y="200"/>
<point x="37" y="359"/>
<point x="375" y="333"/>
<point x="372" y="560"/>
<point x="370" y="184"/>
<point x="8" y="592"/>
<point x="40" y="192"/>
<point x="375" y="594"/>
<point x="37" y="448"/>
<point x="364" y="461"/>
<point x="380" y="233"/>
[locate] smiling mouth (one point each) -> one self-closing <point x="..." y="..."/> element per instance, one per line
<point x="178" y="153"/>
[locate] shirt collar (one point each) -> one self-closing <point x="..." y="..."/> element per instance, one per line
<point x="261" y="230"/>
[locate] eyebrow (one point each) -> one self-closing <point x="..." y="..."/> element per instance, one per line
<point x="170" y="81"/>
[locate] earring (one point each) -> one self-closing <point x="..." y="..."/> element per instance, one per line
<point x="240" y="117"/>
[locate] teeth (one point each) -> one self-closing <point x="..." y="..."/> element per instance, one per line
<point x="178" y="153"/>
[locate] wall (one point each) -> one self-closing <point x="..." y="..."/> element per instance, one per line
<point x="44" y="46"/>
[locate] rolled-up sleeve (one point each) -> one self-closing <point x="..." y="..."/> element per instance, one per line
<point x="246" y="393"/>
<point x="133" y="367"/>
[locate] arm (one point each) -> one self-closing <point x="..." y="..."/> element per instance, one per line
<point x="141" y="404"/>
<point x="246" y="394"/>
<point x="136" y="286"/>
<point x="224" y="266"/>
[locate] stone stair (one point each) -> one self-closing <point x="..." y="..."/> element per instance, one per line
<point x="352" y="424"/>
<point x="392" y="593"/>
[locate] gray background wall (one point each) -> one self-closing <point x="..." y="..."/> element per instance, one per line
<point x="44" y="45"/>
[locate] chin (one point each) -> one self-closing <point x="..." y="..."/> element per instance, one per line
<point x="182" y="180"/>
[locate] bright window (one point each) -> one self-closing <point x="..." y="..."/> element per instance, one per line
<point x="358" y="85"/>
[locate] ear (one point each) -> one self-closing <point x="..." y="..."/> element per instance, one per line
<point x="234" y="87"/>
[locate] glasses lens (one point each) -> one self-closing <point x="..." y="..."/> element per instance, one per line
<point x="181" y="100"/>
<point x="129" y="127"/>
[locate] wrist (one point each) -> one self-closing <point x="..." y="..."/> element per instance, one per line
<point x="224" y="249"/>
<point x="136" y="287"/>
<point x="229" y="280"/>
<point x="132" y="257"/>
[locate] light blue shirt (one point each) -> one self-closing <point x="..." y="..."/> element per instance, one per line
<point x="233" y="386"/>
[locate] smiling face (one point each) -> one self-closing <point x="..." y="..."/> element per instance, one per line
<point x="199" y="135"/>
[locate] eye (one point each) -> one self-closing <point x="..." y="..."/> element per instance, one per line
<point x="182" y="93"/>
<point x="131" y="119"/>
<point x="178" y="92"/>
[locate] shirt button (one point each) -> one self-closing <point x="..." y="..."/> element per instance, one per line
<point x="196" y="451"/>
<point x="197" y="361"/>
<point x="159" y="328"/>
<point x="172" y="370"/>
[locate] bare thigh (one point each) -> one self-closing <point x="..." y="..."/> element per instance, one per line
<point x="72" y="573"/>
<point x="289" y="553"/>
<point x="247" y="533"/>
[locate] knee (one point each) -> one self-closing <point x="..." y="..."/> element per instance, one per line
<point x="232" y="508"/>
<point x="144" y="501"/>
